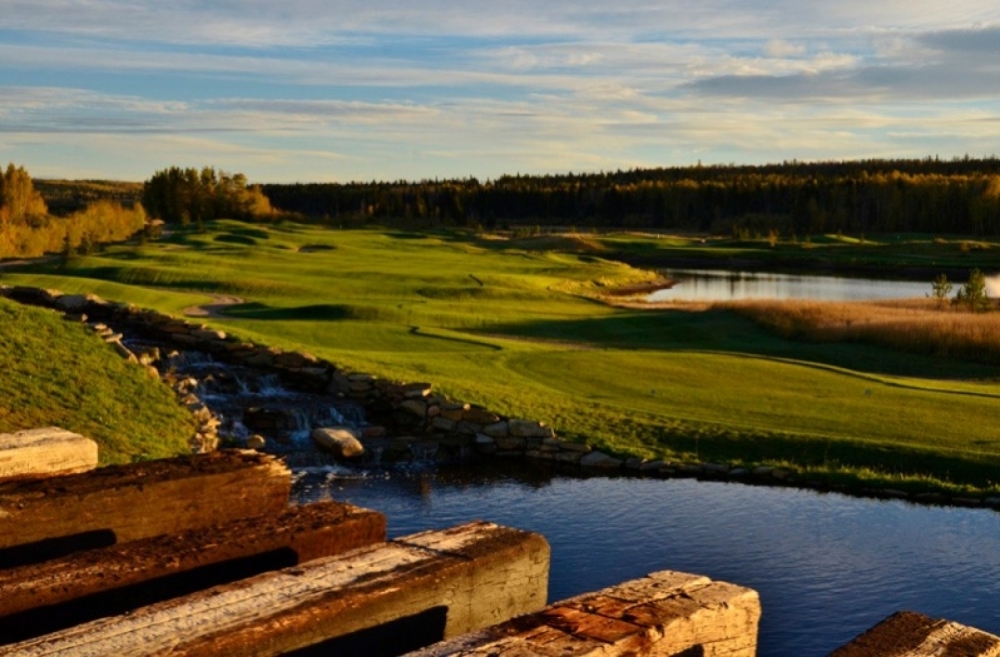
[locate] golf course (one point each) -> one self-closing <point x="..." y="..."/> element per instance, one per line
<point x="525" y="326"/>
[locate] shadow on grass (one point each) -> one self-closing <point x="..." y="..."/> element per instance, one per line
<point x="723" y="331"/>
<point x="415" y="330"/>
<point x="229" y="238"/>
<point x="317" y="312"/>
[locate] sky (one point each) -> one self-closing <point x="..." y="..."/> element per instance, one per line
<point x="342" y="90"/>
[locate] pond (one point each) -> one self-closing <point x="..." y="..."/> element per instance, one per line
<point x="827" y="566"/>
<point x="726" y="285"/>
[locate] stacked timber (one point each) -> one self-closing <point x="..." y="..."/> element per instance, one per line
<point x="665" y="614"/>
<point x="909" y="634"/>
<point x="45" y="452"/>
<point x="202" y="555"/>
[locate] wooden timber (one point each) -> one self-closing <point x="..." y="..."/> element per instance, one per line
<point x="908" y="634"/>
<point x="663" y="615"/>
<point x="44" y="452"/>
<point x="44" y="518"/>
<point x="41" y="598"/>
<point x="442" y="583"/>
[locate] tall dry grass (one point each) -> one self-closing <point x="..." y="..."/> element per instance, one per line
<point x="923" y="326"/>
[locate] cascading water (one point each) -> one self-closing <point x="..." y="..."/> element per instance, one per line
<point x="251" y="402"/>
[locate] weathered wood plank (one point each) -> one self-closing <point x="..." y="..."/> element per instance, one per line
<point x="453" y="581"/>
<point x="130" y="502"/>
<point x="908" y="634"/>
<point x="45" y="452"/>
<point x="664" y="614"/>
<point x="53" y="595"/>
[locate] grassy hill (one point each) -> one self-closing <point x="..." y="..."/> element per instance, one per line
<point x="510" y="325"/>
<point x="53" y="372"/>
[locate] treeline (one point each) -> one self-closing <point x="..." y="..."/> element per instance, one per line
<point x="184" y="196"/>
<point x="64" y="197"/>
<point x="28" y="230"/>
<point x="933" y="196"/>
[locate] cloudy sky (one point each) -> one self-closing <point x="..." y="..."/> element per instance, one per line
<point x="317" y="90"/>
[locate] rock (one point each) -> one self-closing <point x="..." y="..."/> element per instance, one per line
<point x="763" y="471"/>
<point x="715" y="468"/>
<point x="72" y="302"/>
<point x="634" y="463"/>
<point x="652" y="466"/>
<point x="599" y="459"/>
<point x="569" y="457"/>
<point x="256" y="441"/>
<point x="992" y="501"/>
<point x="123" y="351"/>
<point x="339" y="441"/>
<point x="455" y="415"/>
<point x="480" y="416"/>
<point x="372" y="431"/>
<point x="442" y="423"/>
<point x="208" y="334"/>
<point x="294" y="360"/>
<point x="583" y="448"/>
<point x="528" y="429"/>
<point x="414" y="407"/>
<point x="483" y="439"/>
<point x="148" y="355"/>
<point x="416" y="390"/>
<point x="497" y="430"/>
<point x="510" y="443"/>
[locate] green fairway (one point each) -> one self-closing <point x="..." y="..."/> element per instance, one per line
<point x="508" y="324"/>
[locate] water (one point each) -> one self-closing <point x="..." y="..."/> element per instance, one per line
<point x="724" y="285"/>
<point x="827" y="566"/>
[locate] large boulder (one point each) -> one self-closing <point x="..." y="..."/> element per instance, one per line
<point x="339" y="441"/>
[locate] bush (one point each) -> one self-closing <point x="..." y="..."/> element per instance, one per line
<point x="973" y="293"/>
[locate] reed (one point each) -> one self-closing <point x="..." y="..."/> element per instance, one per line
<point x="923" y="326"/>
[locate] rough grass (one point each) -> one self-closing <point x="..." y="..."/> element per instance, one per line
<point x="56" y="373"/>
<point x="919" y="326"/>
<point x="492" y="322"/>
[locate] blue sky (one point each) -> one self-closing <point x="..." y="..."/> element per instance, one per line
<point x="321" y="90"/>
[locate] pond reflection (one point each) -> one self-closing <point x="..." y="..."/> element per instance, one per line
<point x="725" y="285"/>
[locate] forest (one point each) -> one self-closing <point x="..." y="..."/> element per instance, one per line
<point x="960" y="196"/>
<point x="791" y="199"/>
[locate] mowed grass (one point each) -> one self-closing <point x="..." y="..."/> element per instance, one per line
<point x="901" y="253"/>
<point x="509" y="325"/>
<point x="53" y="373"/>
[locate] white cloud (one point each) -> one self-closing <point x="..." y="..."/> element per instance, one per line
<point x="782" y="48"/>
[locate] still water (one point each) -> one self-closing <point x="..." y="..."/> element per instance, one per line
<point x="724" y="285"/>
<point x="827" y="566"/>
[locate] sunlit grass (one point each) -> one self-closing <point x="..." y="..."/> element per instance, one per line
<point x="513" y="327"/>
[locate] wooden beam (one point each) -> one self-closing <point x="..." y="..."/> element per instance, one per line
<point x="44" y="452"/>
<point x="54" y="595"/>
<point x="663" y="615"/>
<point x="41" y="519"/>
<point x="908" y="634"/>
<point x="441" y="583"/>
